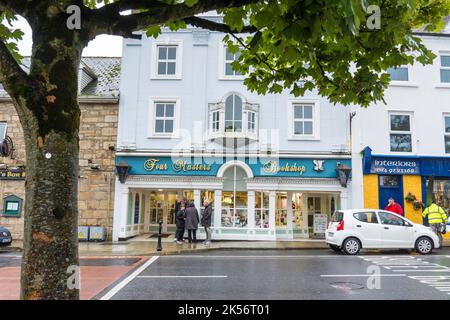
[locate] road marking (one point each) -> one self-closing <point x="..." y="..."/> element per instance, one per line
<point x="254" y="257"/>
<point x="128" y="279"/>
<point x="361" y="275"/>
<point x="9" y="256"/>
<point x="182" y="276"/>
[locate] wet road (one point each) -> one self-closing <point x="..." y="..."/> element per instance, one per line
<point x="287" y="275"/>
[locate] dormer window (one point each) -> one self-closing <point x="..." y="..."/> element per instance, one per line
<point x="233" y="118"/>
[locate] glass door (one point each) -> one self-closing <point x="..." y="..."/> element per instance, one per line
<point x="314" y="210"/>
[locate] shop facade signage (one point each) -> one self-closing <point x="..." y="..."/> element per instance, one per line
<point x="261" y="167"/>
<point x="395" y="166"/>
<point x="9" y="174"/>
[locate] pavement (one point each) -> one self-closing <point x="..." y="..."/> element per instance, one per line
<point x="287" y="275"/>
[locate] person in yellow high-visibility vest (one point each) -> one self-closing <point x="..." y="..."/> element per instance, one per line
<point x="436" y="216"/>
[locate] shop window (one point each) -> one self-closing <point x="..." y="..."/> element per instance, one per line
<point x="156" y="207"/>
<point x="136" y="208"/>
<point x="441" y="192"/>
<point x="447" y="133"/>
<point x="262" y="209"/>
<point x="400" y="132"/>
<point x="398" y="74"/>
<point x="367" y="217"/>
<point x="234" y="198"/>
<point x="389" y="181"/>
<point x="445" y="68"/>
<point x="281" y="209"/>
<point x="297" y="208"/>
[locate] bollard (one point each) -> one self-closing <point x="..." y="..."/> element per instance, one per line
<point x="159" y="246"/>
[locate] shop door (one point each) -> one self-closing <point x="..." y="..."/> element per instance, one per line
<point x="390" y="187"/>
<point x="315" y="212"/>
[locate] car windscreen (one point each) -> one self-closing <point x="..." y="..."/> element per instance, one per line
<point x="337" y="216"/>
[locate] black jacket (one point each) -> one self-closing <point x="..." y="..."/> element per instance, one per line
<point x="180" y="218"/>
<point x="206" y="217"/>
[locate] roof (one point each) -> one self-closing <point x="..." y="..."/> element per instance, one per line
<point x="104" y="70"/>
<point x="444" y="32"/>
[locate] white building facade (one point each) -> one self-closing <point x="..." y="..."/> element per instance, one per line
<point x="188" y="127"/>
<point x="400" y="146"/>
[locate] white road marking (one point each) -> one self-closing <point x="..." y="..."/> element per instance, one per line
<point x="128" y="279"/>
<point x="362" y="275"/>
<point x="255" y="257"/>
<point x="182" y="276"/>
<point x="9" y="256"/>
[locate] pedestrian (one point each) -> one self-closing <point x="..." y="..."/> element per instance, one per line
<point x="394" y="207"/>
<point x="437" y="219"/>
<point x="206" y="221"/>
<point x="192" y="220"/>
<point x="180" y="222"/>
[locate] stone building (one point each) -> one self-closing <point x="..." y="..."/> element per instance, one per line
<point x="99" y="97"/>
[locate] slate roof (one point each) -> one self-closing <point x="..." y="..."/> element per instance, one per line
<point x="106" y="70"/>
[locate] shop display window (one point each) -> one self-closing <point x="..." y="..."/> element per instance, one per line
<point x="262" y="209"/>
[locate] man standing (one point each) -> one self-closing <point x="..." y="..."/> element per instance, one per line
<point x="192" y="220"/>
<point x="206" y="221"/>
<point x="394" y="207"/>
<point x="436" y="217"/>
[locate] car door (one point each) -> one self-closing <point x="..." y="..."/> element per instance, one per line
<point x="396" y="232"/>
<point x="367" y="225"/>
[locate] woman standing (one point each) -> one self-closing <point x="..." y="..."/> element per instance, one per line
<point x="192" y="220"/>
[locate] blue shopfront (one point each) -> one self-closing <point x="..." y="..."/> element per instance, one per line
<point x="406" y="178"/>
<point x="252" y="198"/>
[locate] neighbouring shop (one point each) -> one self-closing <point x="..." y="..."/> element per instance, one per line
<point x="407" y="179"/>
<point x="252" y="198"/>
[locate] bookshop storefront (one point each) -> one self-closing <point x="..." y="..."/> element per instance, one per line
<point x="252" y="199"/>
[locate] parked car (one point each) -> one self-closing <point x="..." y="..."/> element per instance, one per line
<point x="352" y="230"/>
<point x="5" y="237"/>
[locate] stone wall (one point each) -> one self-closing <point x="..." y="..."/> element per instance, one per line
<point x="98" y="136"/>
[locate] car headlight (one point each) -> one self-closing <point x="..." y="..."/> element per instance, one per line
<point x="4" y="233"/>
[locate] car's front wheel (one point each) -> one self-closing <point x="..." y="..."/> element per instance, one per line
<point x="335" y="248"/>
<point x="351" y="246"/>
<point x="424" y="245"/>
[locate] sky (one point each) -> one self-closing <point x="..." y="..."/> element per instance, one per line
<point x="102" y="46"/>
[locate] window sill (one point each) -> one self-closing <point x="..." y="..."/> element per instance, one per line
<point x="230" y="78"/>
<point x="163" y="137"/>
<point x="442" y="86"/>
<point x="165" y="78"/>
<point x="303" y="138"/>
<point x="406" y="84"/>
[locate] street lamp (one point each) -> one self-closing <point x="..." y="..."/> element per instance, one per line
<point x="122" y="170"/>
<point x="343" y="174"/>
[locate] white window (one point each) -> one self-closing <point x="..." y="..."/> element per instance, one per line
<point x="447" y="133"/>
<point x="233" y="114"/>
<point x="164" y="118"/>
<point x="400" y="132"/>
<point x="262" y="209"/>
<point x="398" y="74"/>
<point x="3" y="127"/>
<point x="445" y="68"/>
<point x="166" y="57"/>
<point x="304" y="120"/>
<point x="215" y="121"/>
<point x="226" y="71"/>
<point x="251" y="126"/>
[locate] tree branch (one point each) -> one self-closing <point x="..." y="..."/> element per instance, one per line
<point x="13" y="78"/>
<point x="16" y="6"/>
<point x="215" y="26"/>
<point x="107" y="20"/>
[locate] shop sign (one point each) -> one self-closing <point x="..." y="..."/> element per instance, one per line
<point x="209" y="166"/>
<point x="12" y="174"/>
<point x="320" y="223"/>
<point x="395" y="166"/>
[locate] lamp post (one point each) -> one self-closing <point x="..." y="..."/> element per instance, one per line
<point x="343" y="174"/>
<point x="123" y="170"/>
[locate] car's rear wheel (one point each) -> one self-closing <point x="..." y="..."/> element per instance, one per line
<point x="351" y="246"/>
<point x="335" y="248"/>
<point x="424" y="245"/>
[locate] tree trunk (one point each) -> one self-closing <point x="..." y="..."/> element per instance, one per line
<point x="50" y="118"/>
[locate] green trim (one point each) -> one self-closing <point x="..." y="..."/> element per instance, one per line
<point x="228" y="231"/>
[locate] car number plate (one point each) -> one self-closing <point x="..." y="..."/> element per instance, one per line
<point x="6" y="240"/>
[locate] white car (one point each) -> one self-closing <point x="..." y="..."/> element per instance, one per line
<point x="352" y="230"/>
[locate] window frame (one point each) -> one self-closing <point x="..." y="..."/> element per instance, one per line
<point x="366" y="212"/>
<point x="222" y="65"/>
<point x="410" y="132"/>
<point x="446" y="134"/>
<point x="441" y="54"/>
<point x="400" y="81"/>
<point x="155" y="59"/>
<point x="398" y="217"/>
<point x="6" y="130"/>
<point x="315" y="119"/>
<point x="152" y="118"/>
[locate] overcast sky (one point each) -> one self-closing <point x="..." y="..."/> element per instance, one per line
<point x="107" y="46"/>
